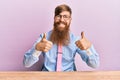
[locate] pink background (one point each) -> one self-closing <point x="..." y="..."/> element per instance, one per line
<point x="22" y="21"/>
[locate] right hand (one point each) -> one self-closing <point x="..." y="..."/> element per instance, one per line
<point x="44" y="45"/>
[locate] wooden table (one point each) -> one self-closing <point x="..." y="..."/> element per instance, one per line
<point x="36" y="75"/>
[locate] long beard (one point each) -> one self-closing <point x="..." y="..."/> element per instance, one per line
<point x="59" y="36"/>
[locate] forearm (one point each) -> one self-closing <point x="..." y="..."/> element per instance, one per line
<point x="93" y="61"/>
<point x="31" y="57"/>
<point x="90" y="56"/>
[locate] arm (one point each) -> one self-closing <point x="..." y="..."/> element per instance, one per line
<point x="87" y="51"/>
<point x="90" y="56"/>
<point x="41" y="45"/>
<point x="32" y="55"/>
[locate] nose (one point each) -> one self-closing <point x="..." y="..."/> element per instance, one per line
<point x="62" y="19"/>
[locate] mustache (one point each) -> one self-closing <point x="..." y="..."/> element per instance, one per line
<point x="61" y="22"/>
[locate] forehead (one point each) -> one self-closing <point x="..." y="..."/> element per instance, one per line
<point x="65" y="13"/>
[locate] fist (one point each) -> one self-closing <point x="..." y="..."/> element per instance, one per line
<point x="44" y="45"/>
<point x="83" y="43"/>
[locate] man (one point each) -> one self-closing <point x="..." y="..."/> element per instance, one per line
<point x="60" y="41"/>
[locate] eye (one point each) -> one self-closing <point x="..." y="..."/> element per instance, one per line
<point x="58" y="16"/>
<point x="65" y="16"/>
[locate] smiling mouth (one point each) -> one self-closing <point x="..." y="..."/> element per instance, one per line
<point x="61" y="25"/>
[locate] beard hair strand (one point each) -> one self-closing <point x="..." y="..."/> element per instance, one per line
<point x="60" y="36"/>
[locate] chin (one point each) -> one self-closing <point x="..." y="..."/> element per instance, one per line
<point x="61" y="29"/>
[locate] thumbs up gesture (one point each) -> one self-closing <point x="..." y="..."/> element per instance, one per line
<point x="83" y="43"/>
<point x="44" y="45"/>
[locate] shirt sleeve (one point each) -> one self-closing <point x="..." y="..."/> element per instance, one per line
<point x="36" y="53"/>
<point x="32" y="55"/>
<point x="90" y="56"/>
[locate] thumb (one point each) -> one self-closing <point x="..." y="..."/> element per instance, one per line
<point x="44" y="37"/>
<point x="82" y="35"/>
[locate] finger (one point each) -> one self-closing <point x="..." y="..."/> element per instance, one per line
<point x="46" y="49"/>
<point x="81" y="48"/>
<point x="82" y="35"/>
<point x="44" y="37"/>
<point x="48" y="46"/>
<point x="76" y="42"/>
<point x="50" y="43"/>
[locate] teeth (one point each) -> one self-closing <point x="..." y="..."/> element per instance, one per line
<point x="61" y="23"/>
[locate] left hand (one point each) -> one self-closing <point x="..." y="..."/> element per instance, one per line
<point x="83" y="43"/>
